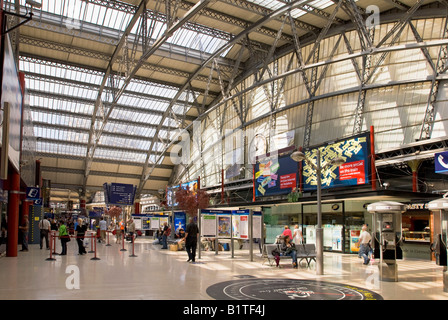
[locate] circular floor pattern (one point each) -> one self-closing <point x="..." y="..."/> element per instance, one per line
<point x="287" y="289"/>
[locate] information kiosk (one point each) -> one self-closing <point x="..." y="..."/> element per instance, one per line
<point x="440" y="230"/>
<point x="387" y="236"/>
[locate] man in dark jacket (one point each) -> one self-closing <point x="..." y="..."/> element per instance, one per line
<point x="191" y="239"/>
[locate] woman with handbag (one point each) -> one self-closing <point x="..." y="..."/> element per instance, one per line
<point x="64" y="236"/>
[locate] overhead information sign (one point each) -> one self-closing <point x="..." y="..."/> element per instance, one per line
<point x="119" y="194"/>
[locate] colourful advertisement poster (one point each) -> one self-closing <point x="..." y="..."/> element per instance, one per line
<point x="275" y="175"/>
<point x="355" y="171"/>
<point x="224" y="226"/>
<point x="244" y="227"/>
<point x="354" y="237"/>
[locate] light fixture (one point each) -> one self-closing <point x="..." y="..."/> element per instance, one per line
<point x="338" y="161"/>
<point x="298" y="156"/>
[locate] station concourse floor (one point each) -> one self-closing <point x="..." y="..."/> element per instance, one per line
<point x="156" y="274"/>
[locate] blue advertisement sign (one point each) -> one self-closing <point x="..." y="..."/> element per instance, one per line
<point x="180" y="221"/>
<point x="275" y="175"/>
<point x="355" y="170"/>
<point x="441" y="162"/>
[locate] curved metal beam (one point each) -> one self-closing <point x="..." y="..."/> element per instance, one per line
<point x="93" y="140"/>
<point x="274" y="14"/>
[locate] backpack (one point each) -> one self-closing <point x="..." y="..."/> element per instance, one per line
<point x="168" y="231"/>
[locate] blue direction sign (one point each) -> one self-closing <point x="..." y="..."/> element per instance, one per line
<point x="32" y="193"/>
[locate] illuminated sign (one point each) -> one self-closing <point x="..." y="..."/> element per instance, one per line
<point x="355" y="152"/>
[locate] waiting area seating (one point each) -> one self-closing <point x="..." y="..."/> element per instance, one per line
<point x="305" y="252"/>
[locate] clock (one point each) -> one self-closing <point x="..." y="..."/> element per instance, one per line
<point x="257" y="147"/>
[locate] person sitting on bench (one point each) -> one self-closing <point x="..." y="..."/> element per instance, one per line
<point x="289" y="249"/>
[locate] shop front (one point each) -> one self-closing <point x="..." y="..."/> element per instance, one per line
<point x="342" y="221"/>
<point x="417" y="231"/>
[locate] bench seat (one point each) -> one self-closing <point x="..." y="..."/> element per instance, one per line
<point x="305" y="252"/>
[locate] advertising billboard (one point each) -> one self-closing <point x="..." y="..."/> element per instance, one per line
<point x="275" y="175"/>
<point x="355" y="171"/>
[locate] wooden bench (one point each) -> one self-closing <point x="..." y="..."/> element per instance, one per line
<point x="305" y="252"/>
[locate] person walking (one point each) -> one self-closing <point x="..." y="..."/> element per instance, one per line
<point x="191" y="239"/>
<point x="364" y="244"/>
<point x="24" y="228"/>
<point x="45" y="228"/>
<point x="64" y="237"/>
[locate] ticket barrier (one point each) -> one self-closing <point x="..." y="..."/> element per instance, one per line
<point x="387" y="237"/>
<point x="440" y="230"/>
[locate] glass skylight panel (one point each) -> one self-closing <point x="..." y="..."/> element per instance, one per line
<point x="269" y="4"/>
<point x="321" y="4"/>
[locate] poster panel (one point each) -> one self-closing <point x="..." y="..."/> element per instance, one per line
<point x="354" y="237"/>
<point x="155" y="223"/>
<point x="224" y="226"/>
<point x="236" y="226"/>
<point x="244" y="226"/>
<point x="180" y="221"/>
<point x="138" y="223"/>
<point x="163" y="220"/>
<point x="257" y="225"/>
<point x="208" y="225"/>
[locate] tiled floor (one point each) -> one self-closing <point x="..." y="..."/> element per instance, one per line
<point x="156" y="274"/>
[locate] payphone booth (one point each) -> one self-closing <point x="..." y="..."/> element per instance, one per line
<point x="439" y="208"/>
<point x="387" y="237"/>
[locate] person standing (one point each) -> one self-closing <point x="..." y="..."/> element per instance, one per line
<point x="287" y="232"/>
<point x="45" y="228"/>
<point x="80" y="233"/>
<point x="297" y="236"/>
<point x="103" y="228"/>
<point x="165" y="234"/>
<point x="364" y="244"/>
<point x="64" y="237"/>
<point x="131" y="229"/>
<point x="24" y="228"/>
<point x="191" y="239"/>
